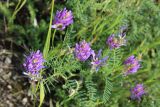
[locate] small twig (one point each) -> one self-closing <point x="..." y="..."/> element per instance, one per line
<point x="7" y="67"/>
<point x="4" y="51"/>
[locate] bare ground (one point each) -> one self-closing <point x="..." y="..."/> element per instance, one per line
<point x="14" y="88"/>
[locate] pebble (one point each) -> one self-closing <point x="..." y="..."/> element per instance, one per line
<point x="7" y="60"/>
<point x="7" y="76"/>
<point x="1" y="70"/>
<point x="9" y="103"/>
<point x="24" y="101"/>
<point x="9" y="87"/>
<point x="15" y="77"/>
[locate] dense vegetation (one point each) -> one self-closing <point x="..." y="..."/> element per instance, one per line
<point x="68" y="82"/>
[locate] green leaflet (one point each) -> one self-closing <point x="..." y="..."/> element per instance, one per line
<point x="107" y="91"/>
<point x="42" y="95"/>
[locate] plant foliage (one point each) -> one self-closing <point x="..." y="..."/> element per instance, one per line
<point x="71" y="83"/>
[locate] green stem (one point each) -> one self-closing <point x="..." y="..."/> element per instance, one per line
<point x="71" y="97"/>
<point x="47" y="43"/>
<point x="114" y="57"/>
<point x="65" y="36"/>
<point x="18" y="7"/>
<point x="53" y="37"/>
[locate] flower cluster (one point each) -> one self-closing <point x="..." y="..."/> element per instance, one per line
<point x="62" y="19"/>
<point x="96" y="62"/>
<point x="131" y="65"/>
<point x="34" y="63"/>
<point x="137" y="92"/>
<point x="116" y="41"/>
<point x="83" y="51"/>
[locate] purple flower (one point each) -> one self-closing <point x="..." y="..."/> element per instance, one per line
<point x="123" y="30"/>
<point x="131" y="65"/>
<point x="62" y="19"/>
<point x="96" y="62"/>
<point x="137" y="92"/>
<point x="34" y="63"/>
<point x="116" y="41"/>
<point x="83" y="51"/>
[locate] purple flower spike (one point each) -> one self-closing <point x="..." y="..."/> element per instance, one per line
<point x="62" y="19"/>
<point x="116" y="41"/>
<point x="96" y="62"/>
<point x="83" y="51"/>
<point x="34" y="63"/>
<point x="131" y="65"/>
<point x="137" y="92"/>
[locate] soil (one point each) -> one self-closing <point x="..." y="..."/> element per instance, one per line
<point x="14" y="87"/>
